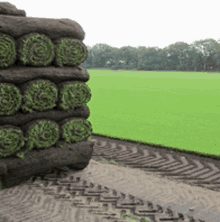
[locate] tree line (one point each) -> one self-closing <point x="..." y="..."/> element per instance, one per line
<point x="202" y="55"/>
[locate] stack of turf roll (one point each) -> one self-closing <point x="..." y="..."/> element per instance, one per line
<point x="43" y="96"/>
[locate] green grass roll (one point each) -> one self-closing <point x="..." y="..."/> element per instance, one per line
<point x="8" y="53"/>
<point x="11" y="140"/>
<point x="73" y="94"/>
<point x="75" y="130"/>
<point x="41" y="134"/>
<point x="39" y="95"/>
<point x="35" y="49"/>
<point x="10" y="98"/>
<point x="70" y="52"/>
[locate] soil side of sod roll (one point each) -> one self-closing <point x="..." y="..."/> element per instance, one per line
<point x="7" y="8"/>
<point x="19" y="74"/>
<point x="21" y="119"/>
<point x="17" y="26"/>
<point x="73" y="155"/>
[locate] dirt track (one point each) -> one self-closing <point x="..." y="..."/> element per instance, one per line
<point x="155" y="190"/>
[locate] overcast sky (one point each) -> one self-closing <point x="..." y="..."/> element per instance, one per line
<point x="136" y="23"/>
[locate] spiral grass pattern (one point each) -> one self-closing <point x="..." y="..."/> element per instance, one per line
<point x="40" y="95"/>
<point x="70" y="52"/>
<point x="75" y="130"/>
<point x="35" y="49"/>
<point x="41" y="134"/>
<point x="11" y="140"/>
<point x="10" y="99"/>
<point x="8" y="53"/>
<point x="74" y="94"/>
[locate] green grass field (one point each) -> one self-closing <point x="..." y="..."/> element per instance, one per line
<point x="172" y="109"/>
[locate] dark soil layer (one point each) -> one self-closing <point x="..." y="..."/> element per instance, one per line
<point x="17" y="26"/>
<point x="20" y="119"/>
<point x="19" y="74"/>
<point x="15" y="170"/>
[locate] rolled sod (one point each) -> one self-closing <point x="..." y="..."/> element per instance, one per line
<point x="8" y="51"/>
<point x="39" y="95"/>
<point x="17" y="26"/>
<point x="10" y="99"/>
<point x="22" y="74"/>
<point x="35" y="49"/>
<point x="41" y="134"/>
<point x="73" y="94"/>
<point x="75" y="130"/>
<point x="7" y="8"/>
<point x="13" y="171"/>
<point x="11" y="140"/>
<point x="70" y="52"/>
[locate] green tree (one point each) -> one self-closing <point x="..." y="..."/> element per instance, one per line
<point x="207" y="48"/>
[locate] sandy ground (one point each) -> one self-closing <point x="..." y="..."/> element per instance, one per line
<point x="190" y="200"/>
